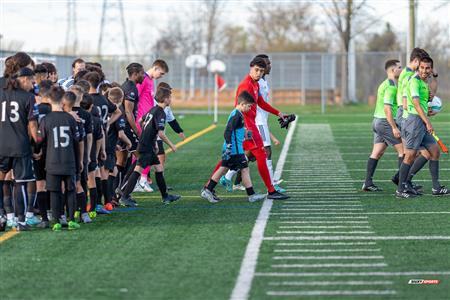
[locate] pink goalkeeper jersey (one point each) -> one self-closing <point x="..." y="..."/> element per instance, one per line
<point x="146" y="92"/>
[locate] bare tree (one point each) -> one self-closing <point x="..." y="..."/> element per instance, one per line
<point x="212" y="10"/>
<point x="234" y="39"/>
<point x="286" y="26"/>
<point x="386" y="41"/>
<point x="349" y="19"/>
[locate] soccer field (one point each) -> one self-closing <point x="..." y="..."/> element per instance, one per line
<point x="329" y="241"/>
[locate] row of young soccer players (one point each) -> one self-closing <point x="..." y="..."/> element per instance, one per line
<point x="78" y="136"/>
<point x="402" y="120"/>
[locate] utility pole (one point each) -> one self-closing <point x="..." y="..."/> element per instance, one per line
<point x="71" y="32"/>
<point x="412" y="28"/>
<point x="112" y="11"/>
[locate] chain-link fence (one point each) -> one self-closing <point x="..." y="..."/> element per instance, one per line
<point x="295" y="77"/>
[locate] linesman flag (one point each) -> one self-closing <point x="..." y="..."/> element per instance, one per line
<point x="220" y="82"/>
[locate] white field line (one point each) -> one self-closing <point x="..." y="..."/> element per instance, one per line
<point x="324" y="250"/>
<point x="300" y="202"/>
<point x="351" y="265"/>
<point x="324" y="232"/>
<point x="247" y="271"/>
<point x="326" y="209"/>
<point x="328" y="283"/>
<point x="355" y="238"/>
<point x="331" y="257"/>
<point x="321" y="205"/>
<point x="323" y="227"/>
<point x="330" y="293"/>
<point x="323" y="222"/>
<point x="329" y="244"/>
<point x="343" y="274"/>
<point x="369" y="213"/>
<point x="324" y="218"/>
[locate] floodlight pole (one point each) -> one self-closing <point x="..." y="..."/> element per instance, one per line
<point x="412" y="28"/>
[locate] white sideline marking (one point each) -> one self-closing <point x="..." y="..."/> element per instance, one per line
<point x="325" y="250"/>
<point x="248" y="265"/>
<point x="322" y="205"/>
<point x="339" y="274"/>
<point x="308" y="217"/>
<point x="327" y="283"/>
<point x="367" y="213"/>
<point x="329" y="257"/>
<point x="331" y="293"/>
<point x="324" y="227"/>
<point x="325" y="232"/>
<point x="328" y="244"/>
<point x="352" y="265"/>
<point x="327" y="209"/>
<point x="319" y="201"/>
<point x="347" y="237"/>
<point x="323" y="222"/>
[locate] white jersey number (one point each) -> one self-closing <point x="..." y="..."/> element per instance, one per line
<point x="62" y="139"/>
<point x="13" y="113"/>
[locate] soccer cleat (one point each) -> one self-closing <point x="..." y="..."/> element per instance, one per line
<point x="171" y="198"/>
<point x="208" y="195"/>
<point x="92" y="214"/>
<point x="147" y="188"/>
<point x="12" y="223"/>
<point x="404" y="194"/>
<point x="371" y="188"/>
<point x="118" y="193"/>
<point x="126" y="201"/>
<point x="63" y="221"/>
<point x="23" y="227"/>
<point x="74" y="225"/>
<point x="43" y="225"/>
<point x="277" y="196"/>
<point x="138" y="188"/>
<point x="77" y="215"/>
<point x="108" y="206"/>
<point x="57" y="227"/>
<point x="226" y="183"/>
<point x="33" y="221"/>
<point x="279" y="189"/>
<point x="416" y="186"/>
<point x="101" y="211"/>
<point x="256" y="197"/>
<point x="442" y="191"/>
<point x="85" y="218"/>
<point x="239" y="187"/>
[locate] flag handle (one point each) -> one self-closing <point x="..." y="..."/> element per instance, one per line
<point x="440" y="143"/>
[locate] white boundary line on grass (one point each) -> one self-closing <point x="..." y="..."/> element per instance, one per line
<point x="248" y="265"/>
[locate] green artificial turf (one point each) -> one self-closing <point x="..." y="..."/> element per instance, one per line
<point x="193" y="249"/>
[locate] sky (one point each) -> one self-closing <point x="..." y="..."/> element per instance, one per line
<point x="42" y="25"/>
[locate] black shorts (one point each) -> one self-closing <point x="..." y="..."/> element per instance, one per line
<point x="39" y="169"/>
<point x="132" y="137"/>
<point x="110" y="161"/>
<point x="236" y="162"/>
<point x="160" y="144"/>
<point x="92" y="166"/>
<point x="53" y="182"/>
<point x="147" y="159"/>
<point x="22" y="168"/>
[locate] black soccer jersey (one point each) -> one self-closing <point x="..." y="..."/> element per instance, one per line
<point x="17" y="108"/>
<point x="130" y="92"/>
<point x="154" y="121"/>
<point x="97" y="134"/>
<point x="60" y="132"/>
<point x="86" y="120"/>
<point x="113" y="135"/>
<point x="103" y="106"/>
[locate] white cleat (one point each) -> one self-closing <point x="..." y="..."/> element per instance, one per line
<point x="256" y="197"/>
<point x="206" y="194"/>
<point x="147" y="187"/>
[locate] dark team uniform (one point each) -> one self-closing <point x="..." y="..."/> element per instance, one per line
<point x="60" y="132"/>
<point x="103" y="106"/>
<point x="111" y="142"/>
<point x="17" y="108"/>
<point x="130" y="92"/>
<point x="39" y="165"/>
<point x="86" y="120"/>
<point x="97" y="134"/>
<point x="154" y="121"/>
